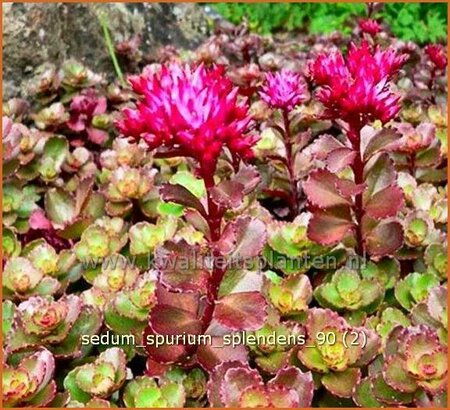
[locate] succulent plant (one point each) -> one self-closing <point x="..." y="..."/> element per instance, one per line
<point x="336" y="350"/>
<point x="57" y="325"/>
<point x="348" y="291"/>
<point x="414" y="288"/>
<point x="127" y="311"/>
<point x="101" y="239"/>
<point x="259" y="222"/>
<point x="235" y="384"/>
<point x="146" y="392"/>
<point x="30" y="383"/>
<point x="414" y="364"/>
<point x="290" y="250"/>
<point x="99" y="378"/>
<point x="290" y="295"/>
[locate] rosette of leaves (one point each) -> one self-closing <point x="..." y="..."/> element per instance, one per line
<point x="57" y="325"/>
<point x="290" y="295"/>
<point x="98" y="379"/>
<point x="44" y="83"/>
<point x="278" y="345"/>
<point x="192" y="380"/>
<point x="348" y="291"/>
<point x="81" y="163"/>
<point x="336" y="351"/>
<point x="415" y="363"/>
<point x="115" y="273"/>
<point x="127" y="311"/>
<point x="419" y="230"/>
<point x="18" y="202"/>
<point x="386" y="320"/>
<point x="437" y="115"/>
<point x="40" y="270"/>
<point x="127" y="185"/>
<point x="425" y="197"/>
<point x="414" y="288"/>
<point x="30" y="382"/>
<point x="124" y="152"/>
<point x="146" y="392"/>
<point x="75" y="76"/>
<point x="51" y="118"/>
<point x="21" y="279"/>
<point x="22" y="149"/>
<point x="386" y="271"/>
<point x="362" y="208"/>
<point x="72" y="210"/>
<point x="145" y="237"/>
<point x="236" y="384"/>
<point x="290" y="250"/>
<point x="433" y="312"/>
<point x="101" y="239"/>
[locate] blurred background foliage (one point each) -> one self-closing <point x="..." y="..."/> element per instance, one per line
<point x="419" y="22"/>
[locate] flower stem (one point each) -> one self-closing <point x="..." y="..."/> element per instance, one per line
<point x="412" y="164"/>
<point x="214" y="220"/>
<point x="293" y="203"/>
<point x="110" y="46"/>
<point x="358" y="171"/>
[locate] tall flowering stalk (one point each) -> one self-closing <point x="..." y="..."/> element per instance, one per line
<point x="356" y="90"/>
<point x="283" y="91"/>
<point x="438" y="59"/>
<point x="196" y="113"/>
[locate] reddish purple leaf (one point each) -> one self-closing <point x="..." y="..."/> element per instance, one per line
<point x="377" y="140"/>
<point x="384" y="239"/>
<point x="248" y="176"/>
<point x="321" y="190"/>
<point x="245" y="237"/>
<point x="241" y="311"/>
<point x="211" y="355"/>
<point x="330" y="226"/>
<point x="182" y="267"/>
<point x="340" y="158"/>
<point x="181" y="195"/>
<point x="228" y="194"/>
<point x="385" y="203"/>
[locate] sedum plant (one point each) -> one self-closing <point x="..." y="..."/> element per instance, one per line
<point x="30" y="382"/>
<point x="259" y="222"/>
<point x="356" y="89"/>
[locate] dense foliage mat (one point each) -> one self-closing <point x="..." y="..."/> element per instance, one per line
<point x="259" y="222"/>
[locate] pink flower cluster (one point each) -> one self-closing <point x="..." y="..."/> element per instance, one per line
<point x="284" y="89"/>
<point x="436" y="52"/>
<point x="369" y="26"/>
<point x="195" y="110"/>
<point x="356" y="89"/>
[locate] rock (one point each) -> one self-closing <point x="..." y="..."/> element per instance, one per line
<point x="34" y="33"/>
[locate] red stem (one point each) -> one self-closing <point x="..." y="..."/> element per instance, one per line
<point x="358" y="171"/>
<point x="290" y="164"/>
<point x="214" y="219"/>
<point x="412" y="164"/>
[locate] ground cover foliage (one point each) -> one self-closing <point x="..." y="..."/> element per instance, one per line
<point x="271" y="210"/>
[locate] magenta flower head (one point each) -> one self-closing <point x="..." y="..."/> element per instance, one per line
<point x="369" y="26"/>
<point x="357" y="89"/>
<point x="194" y="110"/>
<point x="436" y="52"/>
<point x="284" y="89"/>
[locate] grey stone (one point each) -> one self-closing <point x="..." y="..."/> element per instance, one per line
<point x="34" y="33"/>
